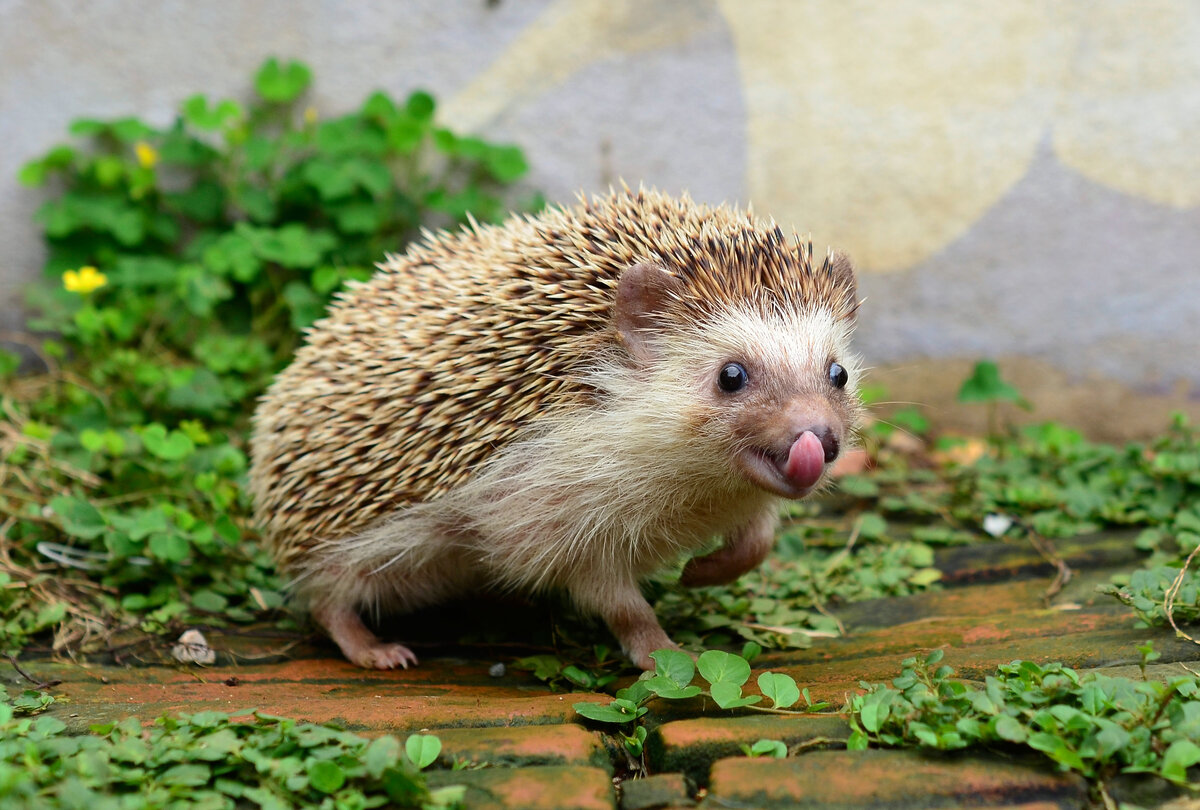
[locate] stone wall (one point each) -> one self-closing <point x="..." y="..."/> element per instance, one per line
<point x="1017" y="180"/>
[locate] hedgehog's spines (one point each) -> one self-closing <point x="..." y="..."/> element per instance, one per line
<point x="469" y="336"/>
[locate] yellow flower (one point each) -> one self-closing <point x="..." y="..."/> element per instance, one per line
<point x="84" y="280"/>
<point x="147" y="156"/>
<point x="310" y="116"/>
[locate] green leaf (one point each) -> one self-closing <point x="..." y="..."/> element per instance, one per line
<point x="985" y="385"/>
<point x="359" y="217"/>
<point x="871" y="526"/>
<point x="198" y="113"/>
<point x="50" y="614"/>
<point x="78" y="517"/>
<point x="925" y="577"/>
<point x="203" y="202"/>
<point x="84" y="127"/>
<point x="304" y="305"/>
<point x="506" y="163"/>
<point x="874" y="711"/>
<point x="379" y="105"/>
<point x="717" y="666"/>
<point x="169" y="547"/>
<point x="198" y="390"/>
<point x="544" y="667"/>
<point x="675" y="665"/>
<point x="381" y="754"/>
<point x="405" y="133"/>
<point x="187" y="775"/>
<point x="9" y="363"/>
<point x="169" y="446"/>
<point x="326" y="776"/>
<point x="136" y="524"/>
<point x="422" y="749"/>
<point x="128" y="130"/>
<point x="858" y="486"/>
<point x="578" y="676"/>
<point x="772" y="748"/>
<point x="780" y="689"/>
<point x="32" y="174"/>
<point x="607" y="714"/>
<point x="291" y="246"/>
<point x="1179" y="756"/>
<point x="282" y="83"/>
<point x="1009" y="728"/>
<point x="726" y="694"/>
<point x="420" y="105"/>
<point x="209" y="601"/>
<point x="451" y="796"/>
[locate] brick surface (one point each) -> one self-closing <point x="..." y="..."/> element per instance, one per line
<point x="655" y="792"/>
<point x="524" y="745"/>
<point x="432" y="696"/>
<point x="892" y="779"/>
<point x="541" y="754"/>
<point x="1005" y="561"/>
<point x="542" y="788"/>
<point x="691" y="746"/>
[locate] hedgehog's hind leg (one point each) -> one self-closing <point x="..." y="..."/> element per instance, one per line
<point x="359" y="644"/>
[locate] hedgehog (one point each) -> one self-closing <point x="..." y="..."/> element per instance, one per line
<point x="571" y="401"/>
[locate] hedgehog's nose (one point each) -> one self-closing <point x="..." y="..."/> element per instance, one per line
<point x="829" y="441"/>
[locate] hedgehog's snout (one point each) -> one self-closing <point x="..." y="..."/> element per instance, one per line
<point x="829" y="440"/>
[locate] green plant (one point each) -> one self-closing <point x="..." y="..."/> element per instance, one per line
<point x="422" y="750"/>
<point x="1147" y="589"/>
<point x="726" y="675"/>
<point x="985" y="386"/>
<point x="1092" y="724"/>
<point x="765" y="748"/>
<point x="205" y="760"/>
<point x="183" y="264"/>
<point x="787" y="601"/>
<point x="561" y="675"/>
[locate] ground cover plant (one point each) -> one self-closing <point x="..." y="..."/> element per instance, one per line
<point x="1094" y="725"/>
<point x="207" y="760"/>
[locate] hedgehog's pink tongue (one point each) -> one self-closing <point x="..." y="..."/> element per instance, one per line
<point x="805" y="461"/>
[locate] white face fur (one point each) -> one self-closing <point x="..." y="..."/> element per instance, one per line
<point x="784" y="374"/>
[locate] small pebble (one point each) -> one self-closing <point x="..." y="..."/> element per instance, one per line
<point x="996" y="525"/>
<point x="497" y="670"/>
<point x="192" y="648"/>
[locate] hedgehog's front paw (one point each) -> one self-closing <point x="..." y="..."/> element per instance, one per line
<point x="384" y="656"/>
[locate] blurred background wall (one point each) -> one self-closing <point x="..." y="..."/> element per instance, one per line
<point x="1015" y="180"/>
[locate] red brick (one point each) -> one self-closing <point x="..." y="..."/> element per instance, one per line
<point x="654" y="792"/>
<point x="545" y="788"/>
<point x="692" y="746"/>
<point x="317" y="691"/>
<point x="523" y="746"/>
<point x="895" y="779"/>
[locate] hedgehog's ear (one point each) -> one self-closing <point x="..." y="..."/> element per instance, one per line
<point x="842" y="270"/>
<point x="643" y="294"/>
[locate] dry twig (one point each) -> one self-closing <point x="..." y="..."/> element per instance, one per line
<point x="1173" y="591"/>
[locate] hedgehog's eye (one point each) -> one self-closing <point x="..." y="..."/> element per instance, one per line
<point x="732" y="377"/>
<point x="838" y="375"/>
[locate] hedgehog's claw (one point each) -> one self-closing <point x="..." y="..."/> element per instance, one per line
<point x="359" y="644"/>
<point x="386" y="656"/>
